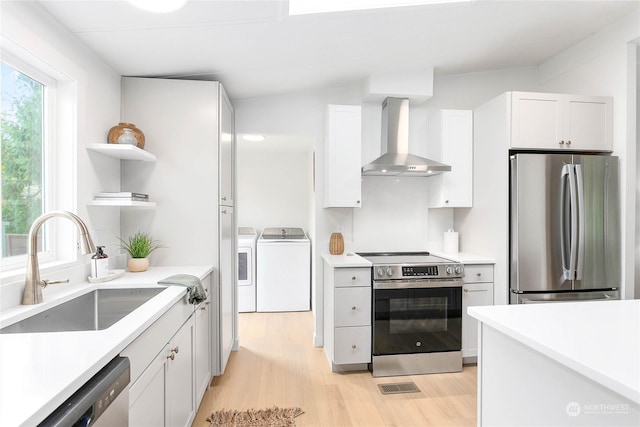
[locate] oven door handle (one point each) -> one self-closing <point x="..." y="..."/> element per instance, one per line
<point x="423" y="284"/>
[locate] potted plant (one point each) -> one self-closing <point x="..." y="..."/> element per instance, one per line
<point x="139" y="246"/>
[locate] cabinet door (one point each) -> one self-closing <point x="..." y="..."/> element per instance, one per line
<point x="353" y="306"/>
<point x="146" y="395"/>
<point x="179" y="396"/>
<point x="202" y="345"/>
<point x="473" y="294"/>
<point x="342" y="156"/>
<point x="227" y="151"/>
<point x="226" y="289"/>
<point x="451" y="142"/>
<point x="352" y="345"/>
<point x="588" y="123"/>
<point x="536" y="120"/>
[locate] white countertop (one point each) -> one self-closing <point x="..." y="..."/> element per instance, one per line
<point x="599" y="339"/>
<point x="41" y="370"/>
<point x="348" y="259"/>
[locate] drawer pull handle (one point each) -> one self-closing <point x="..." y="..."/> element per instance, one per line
<point x="479" y="274"/>
<point x="476" y="290"/>
<point x="353" y="278"/>
<point x="175" y="349"/>
<point x="353" y="308"/>
<point x="353" y="346"/>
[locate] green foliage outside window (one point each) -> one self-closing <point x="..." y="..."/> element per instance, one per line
<point x="22" y="156"/>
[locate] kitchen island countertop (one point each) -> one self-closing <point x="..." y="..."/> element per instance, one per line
<point x="600" y="339"/>
<point x="41" y="370"/>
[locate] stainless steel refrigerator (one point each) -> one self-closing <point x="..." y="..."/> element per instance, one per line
<point x="564" y="238"/>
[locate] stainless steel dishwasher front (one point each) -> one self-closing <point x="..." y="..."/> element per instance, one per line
<point x="101" y="401"/>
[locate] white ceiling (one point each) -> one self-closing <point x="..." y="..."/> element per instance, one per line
<point x="254" y="48"/>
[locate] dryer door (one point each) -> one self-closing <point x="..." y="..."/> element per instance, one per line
<point x="245" y="261"/>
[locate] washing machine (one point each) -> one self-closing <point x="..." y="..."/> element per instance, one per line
<point x="247" y="237"/>
<point x="283" y="270"/>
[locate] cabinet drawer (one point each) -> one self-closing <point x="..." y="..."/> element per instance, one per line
<point x="353" y="306"/>
<point x="345" y="277"/>
<point x="352" y="345"/>
<point x="477" y="273"/>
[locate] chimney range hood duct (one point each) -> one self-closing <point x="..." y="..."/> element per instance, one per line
<point x="395" y="159"/>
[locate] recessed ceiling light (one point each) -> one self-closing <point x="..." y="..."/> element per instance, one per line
<point x="158" y="6"/>
<point x="304" y="7"/>
<point x="253" y="138"/>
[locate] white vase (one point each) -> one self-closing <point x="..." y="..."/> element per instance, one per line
<point x="138" y="264"/>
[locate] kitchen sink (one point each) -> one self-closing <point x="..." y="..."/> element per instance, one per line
<point x="92" y="311"/>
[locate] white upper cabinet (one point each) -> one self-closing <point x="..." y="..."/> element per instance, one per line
<point x="227" y="150"/>
<point x="450" y="141"/>
<point x="342" y="156"/>
<point x="549" y="121"/>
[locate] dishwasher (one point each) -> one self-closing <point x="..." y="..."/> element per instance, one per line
<point x="101" y="401"/>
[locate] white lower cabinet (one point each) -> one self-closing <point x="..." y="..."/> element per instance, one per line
<point x="179" y="398"/>
<point x="476" y="291"/>
<point x="170" y="366"/>
<point x="147" y="395"/>
<point x="164" y="394"/>
<point x="202" y="349"/>
<point x="347" y="317"/>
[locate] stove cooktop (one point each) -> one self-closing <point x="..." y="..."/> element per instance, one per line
<point x="388" y="258"/>
<point x="393" y="266"/>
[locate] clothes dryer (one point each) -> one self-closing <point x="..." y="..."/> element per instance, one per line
<point x="247" y="237"/>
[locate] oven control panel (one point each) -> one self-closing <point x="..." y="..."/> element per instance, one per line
<point x="431" y="271"/>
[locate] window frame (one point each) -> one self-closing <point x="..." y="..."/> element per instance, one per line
<point x="59" y="239"/>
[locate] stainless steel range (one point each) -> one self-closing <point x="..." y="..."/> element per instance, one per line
<point x="417" y="314"/>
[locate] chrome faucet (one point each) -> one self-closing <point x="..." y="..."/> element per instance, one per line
<point x="32" y="283"/>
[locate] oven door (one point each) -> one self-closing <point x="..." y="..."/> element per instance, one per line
<point x="417" y="317"/>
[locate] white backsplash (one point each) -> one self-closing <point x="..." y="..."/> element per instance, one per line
<point x="395" y="217"/>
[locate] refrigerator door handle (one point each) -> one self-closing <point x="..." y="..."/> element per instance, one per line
<point x="564" y="178"/>
<point x="580" y="235"/>
<point x="568" y="176"/>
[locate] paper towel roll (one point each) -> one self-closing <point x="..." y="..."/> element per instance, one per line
<point x="450" y="242"/>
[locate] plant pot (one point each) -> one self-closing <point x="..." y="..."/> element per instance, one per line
<point x="117" y="131"/>
<point x="137" y="265"/>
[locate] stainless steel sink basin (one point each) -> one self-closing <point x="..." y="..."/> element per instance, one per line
<point x="92" y="311"/>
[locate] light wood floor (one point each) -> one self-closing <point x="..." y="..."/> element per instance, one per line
<point x="277" y="365"/>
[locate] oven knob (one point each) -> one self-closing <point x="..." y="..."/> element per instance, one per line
<point x="459" y="269"/>
<point x="449" y="270"/>
<point x="389" y="271"/>
<point x="380" y="272"/>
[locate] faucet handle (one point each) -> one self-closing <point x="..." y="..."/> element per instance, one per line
<point x="44" y="283"/>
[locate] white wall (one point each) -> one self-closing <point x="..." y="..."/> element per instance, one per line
<point x="26" y="27"/>
<point x="274" y="186"/>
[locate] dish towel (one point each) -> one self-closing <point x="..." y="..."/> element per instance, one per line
<point x="195" y="292"/>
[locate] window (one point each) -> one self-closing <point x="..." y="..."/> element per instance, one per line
<point x="22" y="123"/>
<point x="29" y="157"/>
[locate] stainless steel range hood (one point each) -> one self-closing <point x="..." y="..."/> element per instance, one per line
<point x="395" y="159"/>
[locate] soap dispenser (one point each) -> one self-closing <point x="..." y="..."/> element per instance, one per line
<point x="99" y="263"/>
